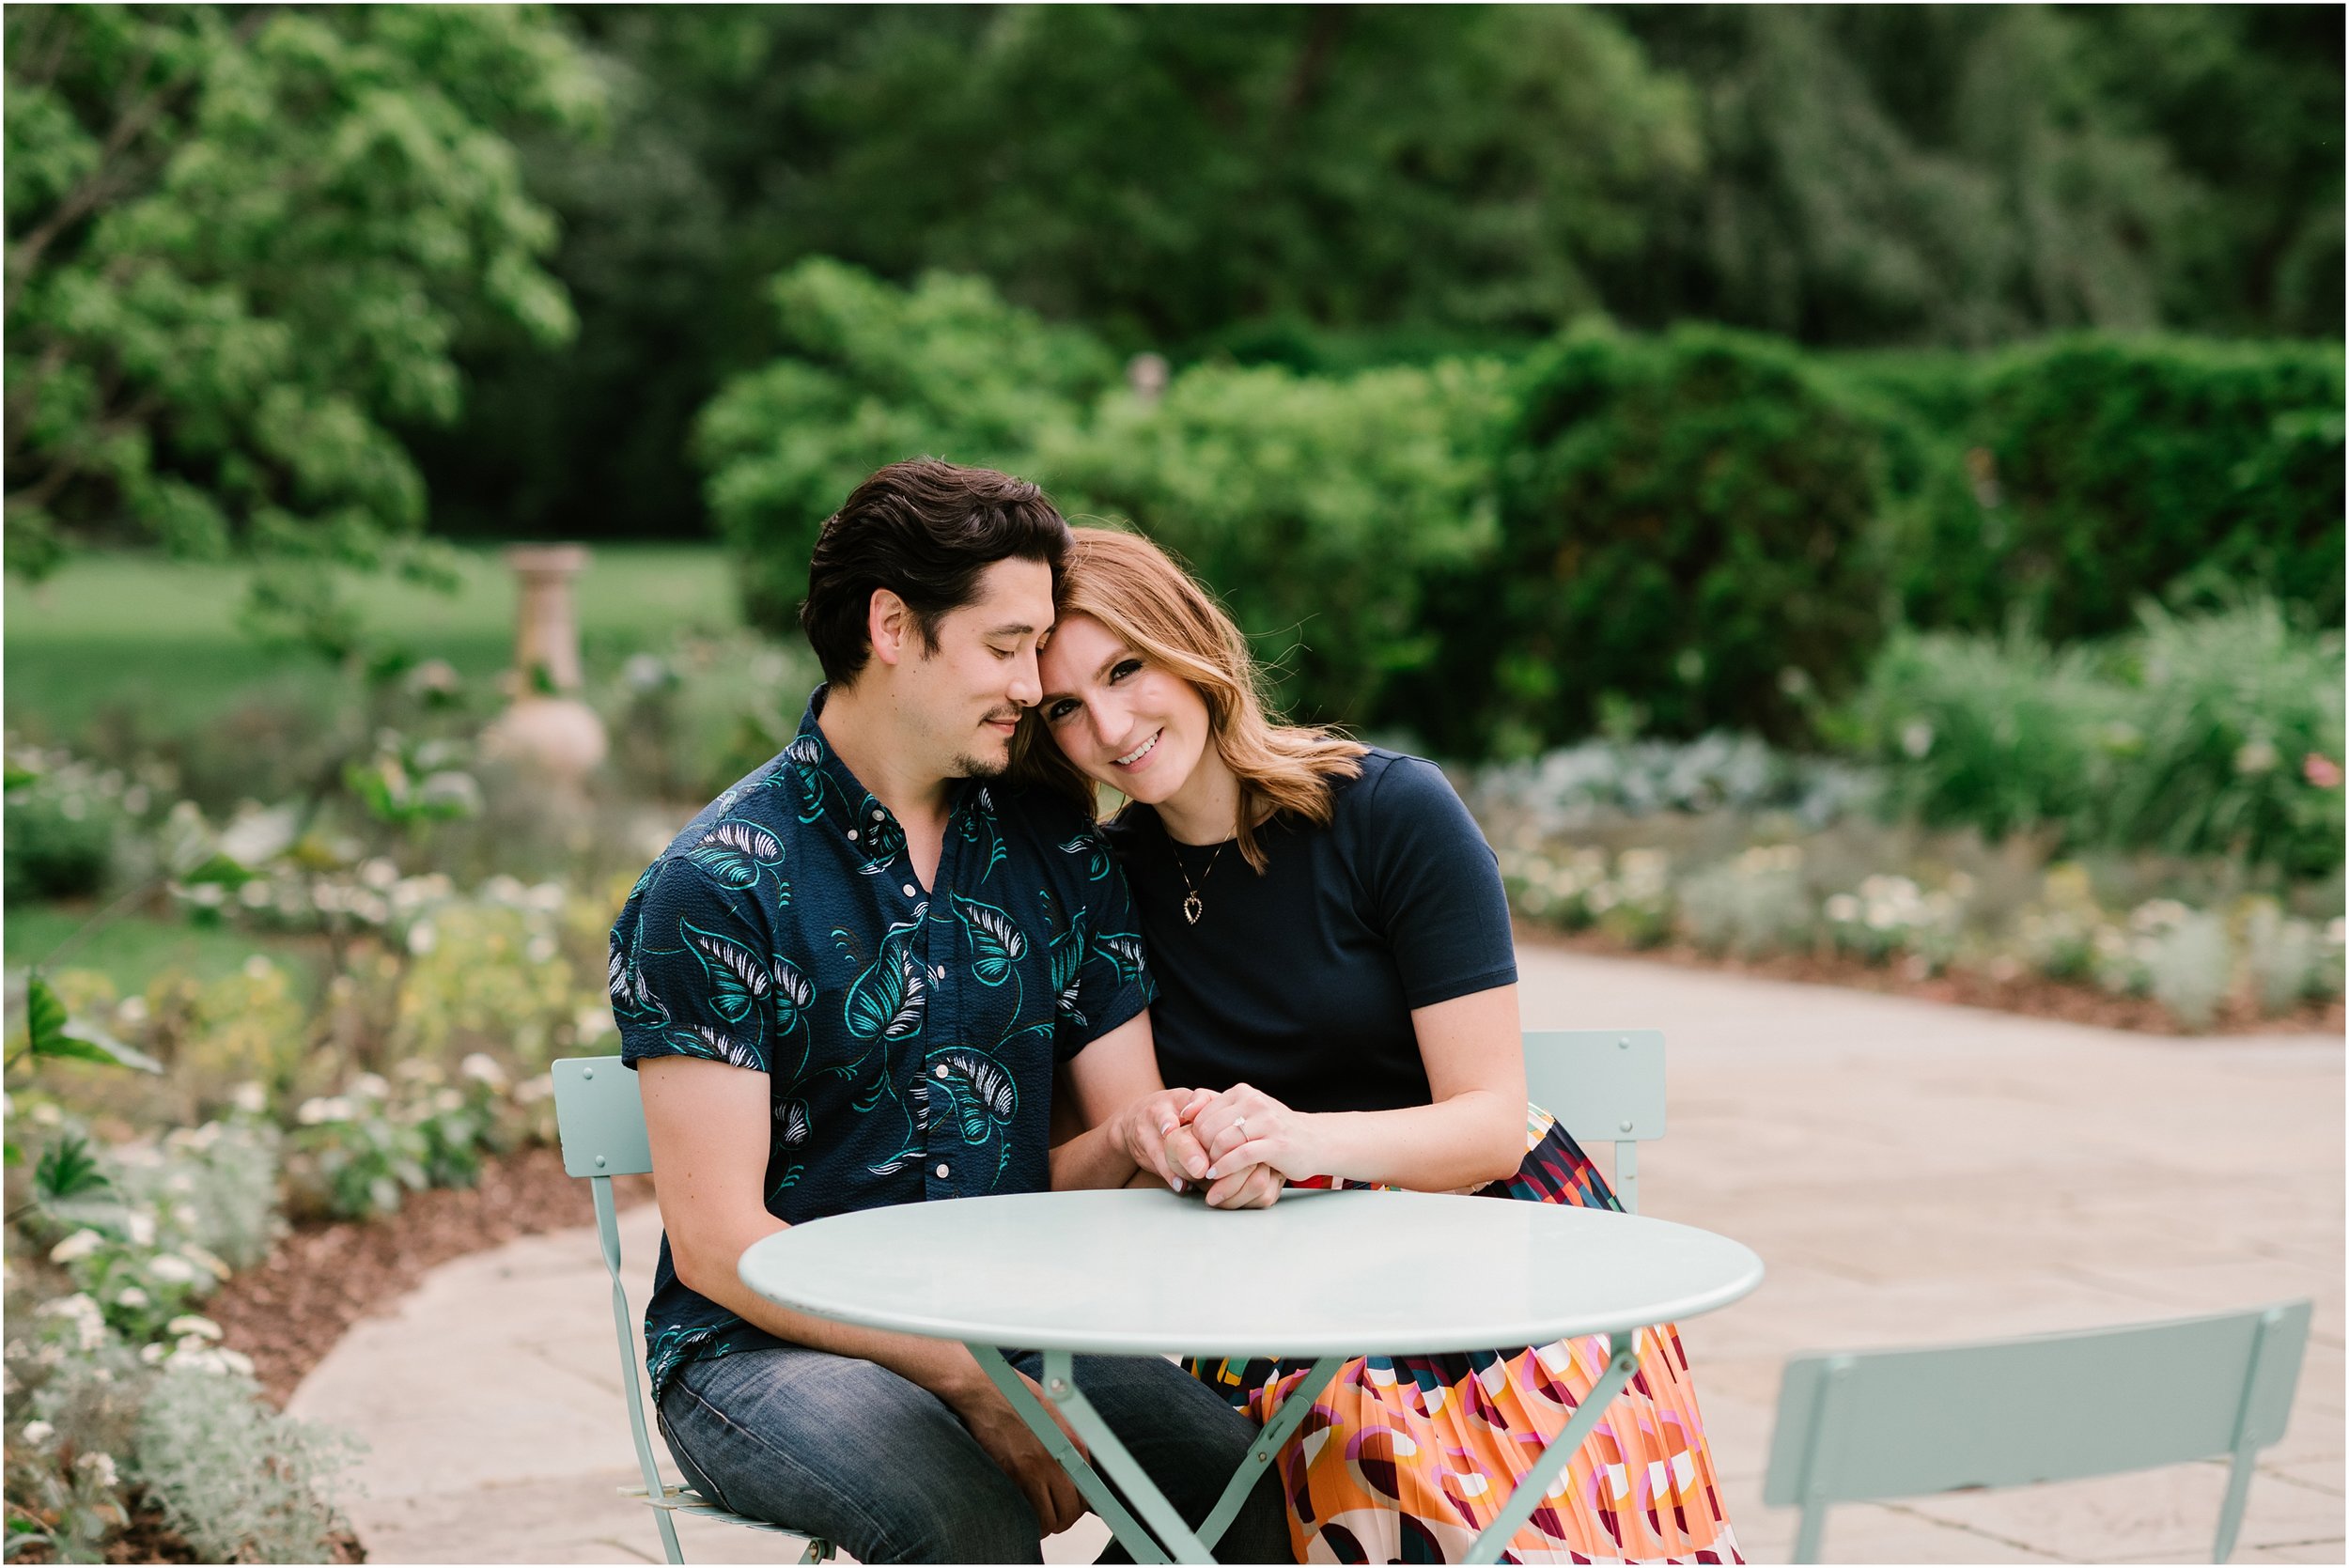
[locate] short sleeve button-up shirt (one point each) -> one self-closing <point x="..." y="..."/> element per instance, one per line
<point x="907" y="1034"/>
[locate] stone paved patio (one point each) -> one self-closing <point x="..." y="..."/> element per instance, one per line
<point x="1910" y="1174"/>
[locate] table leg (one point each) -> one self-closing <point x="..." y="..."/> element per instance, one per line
<point x="1060" y="1387"/>
<point x="1089" y="1483"/>
<point x="1295" y="1406"/>
<point x="1623" y="1364"/>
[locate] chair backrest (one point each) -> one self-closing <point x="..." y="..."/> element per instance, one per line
<point x="1898" y="1423"/>
<point x="1605" y="1085"/>
<point x="599" y="1122"/>
<point x="599" y="1119"/>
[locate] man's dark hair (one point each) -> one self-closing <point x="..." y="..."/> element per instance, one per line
<point x="923" y="530"/>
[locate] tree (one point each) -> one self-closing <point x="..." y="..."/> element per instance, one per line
<point x="241" y="242"/>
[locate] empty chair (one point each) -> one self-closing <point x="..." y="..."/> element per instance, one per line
<point x="1602" y="1085"/>
<point x="600" y="1121"/>
<point x="1899" y="1424"/>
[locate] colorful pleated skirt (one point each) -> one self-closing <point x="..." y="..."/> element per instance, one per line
<point x="1407" y="1458"/>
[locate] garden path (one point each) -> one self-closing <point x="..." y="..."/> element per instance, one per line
<point x="1910" y="1173"/>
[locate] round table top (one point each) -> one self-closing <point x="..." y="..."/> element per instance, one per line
<point x="1138" y="1272"/>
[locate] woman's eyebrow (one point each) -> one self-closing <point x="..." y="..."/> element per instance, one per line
<point x="1107" y="664"/>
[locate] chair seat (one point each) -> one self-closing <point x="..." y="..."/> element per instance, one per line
<point x="684" y="1500"/>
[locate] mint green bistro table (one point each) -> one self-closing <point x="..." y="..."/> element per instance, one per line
<point x="1321" y="1275"/>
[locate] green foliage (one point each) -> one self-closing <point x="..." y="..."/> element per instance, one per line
<point x="240" y="247"/>
<point x="50" y="1033"/>
<point x="62" y="824"/>
<point x="871" y="374"/>
<point x="239" y="1482"/>
<point x="2099" y="471"/>
<point x="1316" y="507"/>
<point x="1687" y="523"/>
<point x="2211" y="734"/>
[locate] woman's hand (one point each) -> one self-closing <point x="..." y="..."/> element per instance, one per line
<point x="1244" y="1126"/>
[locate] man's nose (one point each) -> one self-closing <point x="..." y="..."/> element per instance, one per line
<point x="1027" y="686"/>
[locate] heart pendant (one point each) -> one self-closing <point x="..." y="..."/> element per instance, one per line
<point x="1192" y="910"/>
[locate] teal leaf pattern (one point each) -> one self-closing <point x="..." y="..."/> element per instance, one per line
<point x="738" y="981"/>
<point x="1123" y="949"/>
<point x="1069" y="958"/>
<point x="980" y="1091"/>
<point x="1095" y="852"/>
<point x="734" y="852"/>
<point x="886" y="1001"/>
<point x="996" y="942"/>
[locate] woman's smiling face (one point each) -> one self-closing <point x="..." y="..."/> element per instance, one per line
<point x="1120" y="718"/>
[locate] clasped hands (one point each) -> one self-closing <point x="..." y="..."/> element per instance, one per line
<point x="1240" y="1145"/>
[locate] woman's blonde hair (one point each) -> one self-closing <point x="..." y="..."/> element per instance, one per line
<point x="1159" y="610"/>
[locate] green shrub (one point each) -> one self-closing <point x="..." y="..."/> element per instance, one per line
<point x="2210" y="735"/>
<point x="238" y="1480"/>
<point x="1687" y="527"/>
<point x="2077" y="476"/>
<point x="871" y="374"/>
<point x="1315" y="507"/>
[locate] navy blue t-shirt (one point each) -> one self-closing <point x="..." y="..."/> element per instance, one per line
<point x="1301" y="980"/>
<point x="908" y="1034"/>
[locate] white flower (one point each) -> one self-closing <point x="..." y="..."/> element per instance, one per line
<point x="372" y="1085"/>
<point x="540" y="950"/>
<point x="1844" y="907"/>
<point x="531" y="1091"/>
<point x="1917" y="738"/>
<point x="447" y="1099"/>
<point x="141" y="1224"/>
<point x="191" y="1322"/>
<point x="251" y="1098"/>
<point x="81" y="1244"/>
<point x="131" y="1295"/>
<point x="2257" y="756"/>
<point x="483" y="1068"/>
<point x="46" y="1114"/>
<point x="238" y="1361"/>
<point x="38" y="1432"/>
<point x="330" y="1109"/>
<point x="259" y="968"/>
<point x="422" y="939"/>
<point x="151" y="1354"/>
<point x="202" y="1259"/>
<point x="100" y="1466"/>
<point x="132" y="1013"/>
<point x="172" y="1269"/>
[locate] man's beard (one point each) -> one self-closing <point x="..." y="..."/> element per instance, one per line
<point x="969" y="767"/>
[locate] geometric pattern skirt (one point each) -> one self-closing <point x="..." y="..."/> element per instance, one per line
<point x="1407" y="1458"/>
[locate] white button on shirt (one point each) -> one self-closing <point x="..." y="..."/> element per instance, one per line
<point x="942" y="1173"/>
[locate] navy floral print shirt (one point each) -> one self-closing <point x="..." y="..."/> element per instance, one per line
<point x="908" y="1035"/>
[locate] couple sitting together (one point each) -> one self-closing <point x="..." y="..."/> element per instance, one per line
<point x="903" y="962"/>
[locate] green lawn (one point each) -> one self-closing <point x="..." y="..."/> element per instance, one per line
<point x="162" y="640"/>
<point x="133" y="949"/>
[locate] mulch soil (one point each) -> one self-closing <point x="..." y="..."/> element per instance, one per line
<point x="2031" y="995"/>
<point x="293" y="1308"/>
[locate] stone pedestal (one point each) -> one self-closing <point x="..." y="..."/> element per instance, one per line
<point x="549" y="733"/>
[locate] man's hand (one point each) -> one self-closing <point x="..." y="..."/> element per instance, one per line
<point x="1019" y="1453"/>
<point x="1154" y="1133"/>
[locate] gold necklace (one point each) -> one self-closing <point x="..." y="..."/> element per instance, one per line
<point x="1192" y="907"/>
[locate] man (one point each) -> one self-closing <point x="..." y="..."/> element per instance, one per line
<point x="849" y="982"/>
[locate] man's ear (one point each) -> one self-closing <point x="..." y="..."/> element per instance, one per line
<point x="889" y="625"/>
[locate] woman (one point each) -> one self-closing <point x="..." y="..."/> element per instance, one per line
<point x="1333" y="949"/>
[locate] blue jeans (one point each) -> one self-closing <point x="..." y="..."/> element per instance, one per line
<point x="845" y="1449"/>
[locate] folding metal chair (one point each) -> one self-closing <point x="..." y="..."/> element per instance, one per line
<point x="1604" y="1085"/>
<point x="600" y="1121"/>
<point x="1900" y="1423"/>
